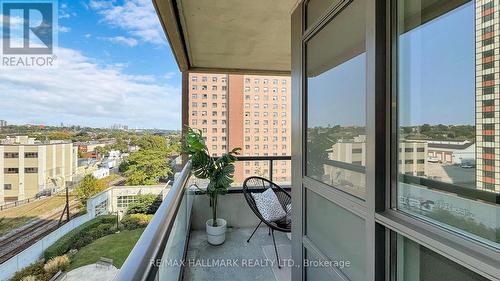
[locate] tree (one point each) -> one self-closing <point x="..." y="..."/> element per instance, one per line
<point x="145" y="204"/>
<point x="152" y="142"/>
<point x="88" y="187"/>
<point x="146" y="167"/>
<point x="101" y="150"/>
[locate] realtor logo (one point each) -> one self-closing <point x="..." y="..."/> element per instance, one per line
<point x="29" y="33"/>
<point x="28" y="27"/>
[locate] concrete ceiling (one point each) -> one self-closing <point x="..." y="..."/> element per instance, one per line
<point x="232" y="35"/>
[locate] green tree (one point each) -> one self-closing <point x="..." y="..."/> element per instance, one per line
<point x="146" y="167"/>
<point x="121" y="145"/>
<point x="102" y="150"/>
<point x="145" y="204"/>
<point x="152" y="142"/>
<point x="88" y="187"/>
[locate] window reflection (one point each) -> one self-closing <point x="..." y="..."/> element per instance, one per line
<point x="449" y="165"/>
<point x="336" y="94"/>
<point x="416" y="262"/>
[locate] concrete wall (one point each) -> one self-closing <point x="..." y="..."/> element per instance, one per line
<point x="232" y="207"/>
<point x="35" y="251"/>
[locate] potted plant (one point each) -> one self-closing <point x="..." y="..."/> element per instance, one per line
<point x="219" y="172"/>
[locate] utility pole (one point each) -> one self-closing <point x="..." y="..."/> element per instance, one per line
<point x="67" y="203"/>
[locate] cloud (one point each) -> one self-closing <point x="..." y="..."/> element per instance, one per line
<point x="137" y="17"/>
<point x="88" y="35"/>
<point x="64" y="12"/>
<point x="64" y="29"/>
<point x="127" y="41"/>
<point x="14" y="21"/>
<point x="80" y="91"/>
<point x="169" y="75"/>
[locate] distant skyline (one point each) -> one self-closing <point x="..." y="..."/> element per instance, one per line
<point x="114" y="65"/>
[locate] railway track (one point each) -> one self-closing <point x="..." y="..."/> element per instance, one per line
<point x="16" y="243"/>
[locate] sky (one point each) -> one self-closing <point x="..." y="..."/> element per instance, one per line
<point x="113" y="66"/>
<point x="436" y="78"/>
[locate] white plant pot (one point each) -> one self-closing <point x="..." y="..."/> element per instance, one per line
<point x="216" y="235"/>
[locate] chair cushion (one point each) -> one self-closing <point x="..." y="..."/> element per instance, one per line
<point x="268" y="205"/>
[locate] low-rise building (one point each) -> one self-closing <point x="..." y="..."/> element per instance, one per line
<point x="451" y="151"/>
<point x="28" y="167"/>
<point x="100" y="173"/>
<point x="412" y="154"/>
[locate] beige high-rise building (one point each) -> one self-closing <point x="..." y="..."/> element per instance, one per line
<point x="248" y="111"/>
<point x="28" y="167"/>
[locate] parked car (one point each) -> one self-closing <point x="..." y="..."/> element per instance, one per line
<point x="433" y="160"/>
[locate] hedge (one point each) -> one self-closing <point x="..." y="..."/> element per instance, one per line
<point x="135" y="221"/>
<point x="82" y="235"/>
<point x="145" y="204"/>
<point x="35" y="269"/>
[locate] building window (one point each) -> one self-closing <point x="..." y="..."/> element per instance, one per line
<point x="357" y="150"/>
<point x="488" y="41"/>
<point x="11" y="170"/>
<point x="487" y="17"/>
<point x="31" y="155"/>
<point x="7" y="186"/>
<point x="473" y="94"/>
<point x="31" y="170"/>
<point x="194" y="78"/>
<point x="11" y="155"/>
<point x="488" y="65"/>
<point x="490" y="114"/>
<point x="487" y="6"/>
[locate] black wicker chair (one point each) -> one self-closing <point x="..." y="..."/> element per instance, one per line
<point x="258" y="184"/>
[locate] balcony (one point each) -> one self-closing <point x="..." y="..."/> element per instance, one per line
<point x="174" y="245"/>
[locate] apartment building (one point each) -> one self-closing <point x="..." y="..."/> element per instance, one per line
<point x="413" y="158"/>
<point x="247" y="111"/>
<point x="412" y="154"/>
<point x="487" y="95"/>
<point x="28" y="167"/>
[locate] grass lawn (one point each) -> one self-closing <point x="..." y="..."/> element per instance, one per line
<point x="114" y="246"/>
<point x="15" y="217"/>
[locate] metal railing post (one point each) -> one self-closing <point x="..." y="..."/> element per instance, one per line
<point x="271" y="169"/>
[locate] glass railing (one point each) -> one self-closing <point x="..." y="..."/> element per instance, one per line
<point x="159" y="253"/>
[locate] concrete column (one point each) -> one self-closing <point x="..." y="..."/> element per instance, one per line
<point x="21" y="193"/>
<point x="42" y="167"/>
<point x="63" y="163"/>
<point x="2" y="178"/>
<point x="54" y="159"/>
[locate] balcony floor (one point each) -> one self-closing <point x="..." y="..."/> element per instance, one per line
<point x="249" y="261"/>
